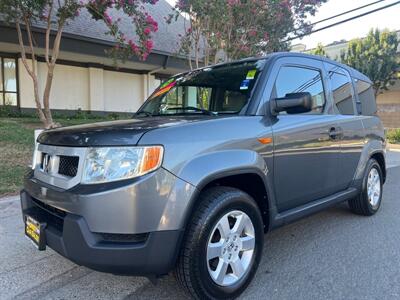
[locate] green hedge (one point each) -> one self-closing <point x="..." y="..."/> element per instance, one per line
<point x="13" y="112"/>
<point x="393" y="136"/>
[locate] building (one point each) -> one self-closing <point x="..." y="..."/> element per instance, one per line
<point x="85" y="77"/>
<point x="388" y="101"/>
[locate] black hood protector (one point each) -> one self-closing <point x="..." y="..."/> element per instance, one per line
<point x="111" y="133"/>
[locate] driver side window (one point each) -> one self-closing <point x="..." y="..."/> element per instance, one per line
<point x="297" y="79"/>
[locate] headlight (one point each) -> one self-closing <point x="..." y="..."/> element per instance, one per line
<point x="117" y="163"/>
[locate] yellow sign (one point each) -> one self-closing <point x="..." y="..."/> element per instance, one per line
<point x="32" y="231"/>
<point x="251" y="74"/>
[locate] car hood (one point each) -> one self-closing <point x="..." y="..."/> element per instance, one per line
<point x="112" y="133"/>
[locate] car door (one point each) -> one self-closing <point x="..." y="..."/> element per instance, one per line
<point x="306" y="145"/>
<point x="348" y="119"/>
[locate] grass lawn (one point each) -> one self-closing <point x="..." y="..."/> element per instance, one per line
<point x="16" y="147"/>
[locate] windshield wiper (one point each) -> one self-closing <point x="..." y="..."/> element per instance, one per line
<point x="202" y="110"/>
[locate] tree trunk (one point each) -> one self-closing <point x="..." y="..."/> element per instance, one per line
<point x="44" y="113"/>
<point x="33" y="75"/>
<point x="46" y="96"/>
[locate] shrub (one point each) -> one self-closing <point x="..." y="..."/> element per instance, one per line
<point x="393" y="136"/>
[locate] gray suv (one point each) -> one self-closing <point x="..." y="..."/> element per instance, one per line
<point x="215" y="158"/>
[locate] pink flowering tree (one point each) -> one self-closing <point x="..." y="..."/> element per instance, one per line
<point x="231" y="29"/>
<point x="54" y="15"/>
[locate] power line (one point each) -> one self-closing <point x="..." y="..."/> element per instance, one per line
<point x="343" y="21"/>
<point x="346" y="12"/>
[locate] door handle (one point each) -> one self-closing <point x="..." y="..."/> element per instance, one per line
<point x="335" y="133"/>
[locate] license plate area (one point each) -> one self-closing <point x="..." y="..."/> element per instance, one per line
<point x="35" y="231"/>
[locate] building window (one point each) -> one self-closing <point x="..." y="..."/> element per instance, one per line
<point x="8" y="81"/>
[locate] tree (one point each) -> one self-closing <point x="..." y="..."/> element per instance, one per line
<point x="319" y="50"/>
<point x="376" y="56"/>
<point x="54" y="15"/>
<point x="227" y="30"/>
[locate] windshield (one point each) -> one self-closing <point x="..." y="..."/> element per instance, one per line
<point x="224" y="89"/>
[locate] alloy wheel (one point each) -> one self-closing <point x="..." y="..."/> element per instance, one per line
<point x="374" y="187"/>
<point x="230" y="248"/>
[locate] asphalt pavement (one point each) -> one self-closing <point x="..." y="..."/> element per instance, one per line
<point x="330" y="255"/>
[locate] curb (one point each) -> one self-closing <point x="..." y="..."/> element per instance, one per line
<point x="9" y="198"/>
<point x="393" y="146"/>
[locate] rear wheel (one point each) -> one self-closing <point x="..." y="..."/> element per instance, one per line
<point x="222" y="245"/>
<point x="369" y="200"/>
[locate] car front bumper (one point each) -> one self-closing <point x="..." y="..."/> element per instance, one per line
<point x="134" y="254"/>
<point x="130" y="228"/>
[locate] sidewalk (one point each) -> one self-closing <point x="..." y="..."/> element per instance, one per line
<point x="9" y="198"/>
<point x="393" y="147"/>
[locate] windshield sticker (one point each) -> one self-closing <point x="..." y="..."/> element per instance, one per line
<point x="251" y="74"/>
<point x="245" y="84"/>
<point x="166" y="83"/>
<point x="164" y="88"/>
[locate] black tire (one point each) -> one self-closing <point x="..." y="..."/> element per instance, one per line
<point x="192" y="266"/>
<point x="361" y="205"/>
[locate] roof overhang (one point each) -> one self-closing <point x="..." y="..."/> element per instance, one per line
<point x="94" y="51"/>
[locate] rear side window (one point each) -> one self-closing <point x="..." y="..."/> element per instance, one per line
<point x="296" y="80"/>
<point x="366" y="97"/>
<point x="342" y="92"/>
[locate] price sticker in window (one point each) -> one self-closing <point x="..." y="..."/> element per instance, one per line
<point x="251" y="74"/>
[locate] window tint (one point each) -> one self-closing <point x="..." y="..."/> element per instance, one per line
<point x="224" y="89"/>
<point x="296" y="79"/>
<point x="342" y="95"/>
<point x="233" y="101"/>
<point x="366" y="97"/>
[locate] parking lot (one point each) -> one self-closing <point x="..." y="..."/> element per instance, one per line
<point x="330" y="255"/>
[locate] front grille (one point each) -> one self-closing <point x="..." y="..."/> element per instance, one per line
<point x="51" y="215"/>
<point x="68" y="165"/>
<point x="124" y="238"/>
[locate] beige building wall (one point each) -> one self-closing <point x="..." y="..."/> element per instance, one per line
<point x="389" y="106"/>
<point x="91" y="89"/>
<point x="391" y="96"/>
<point x="70" y="89"/>
<point x="123" y="91"/>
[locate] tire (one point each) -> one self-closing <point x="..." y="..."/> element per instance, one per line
<point x="194" y="269"/>
<point x="368" y="204"/>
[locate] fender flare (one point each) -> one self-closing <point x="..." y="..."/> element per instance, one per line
<point x="204" y="169"/>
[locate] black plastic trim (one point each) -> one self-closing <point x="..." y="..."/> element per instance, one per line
<point x="155" y="255"/>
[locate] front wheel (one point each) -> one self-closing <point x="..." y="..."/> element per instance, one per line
<point x="222" y="245"/>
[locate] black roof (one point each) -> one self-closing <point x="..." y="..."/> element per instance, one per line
<point x="353" y="72"/>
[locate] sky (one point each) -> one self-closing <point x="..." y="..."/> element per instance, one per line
<point x="386" y="18"/>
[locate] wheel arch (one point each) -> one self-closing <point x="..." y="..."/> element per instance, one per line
<point x="250" y="181"/>
<point x="373" y="149"/>
<point x="380" y="158"/>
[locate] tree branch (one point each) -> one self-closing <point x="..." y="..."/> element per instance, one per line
<point x="48" y="30"/>
<point x="29" y="32"/>
<point x="22" y="47"/>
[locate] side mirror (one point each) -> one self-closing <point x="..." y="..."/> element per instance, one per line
<point x="292" y="103"/>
